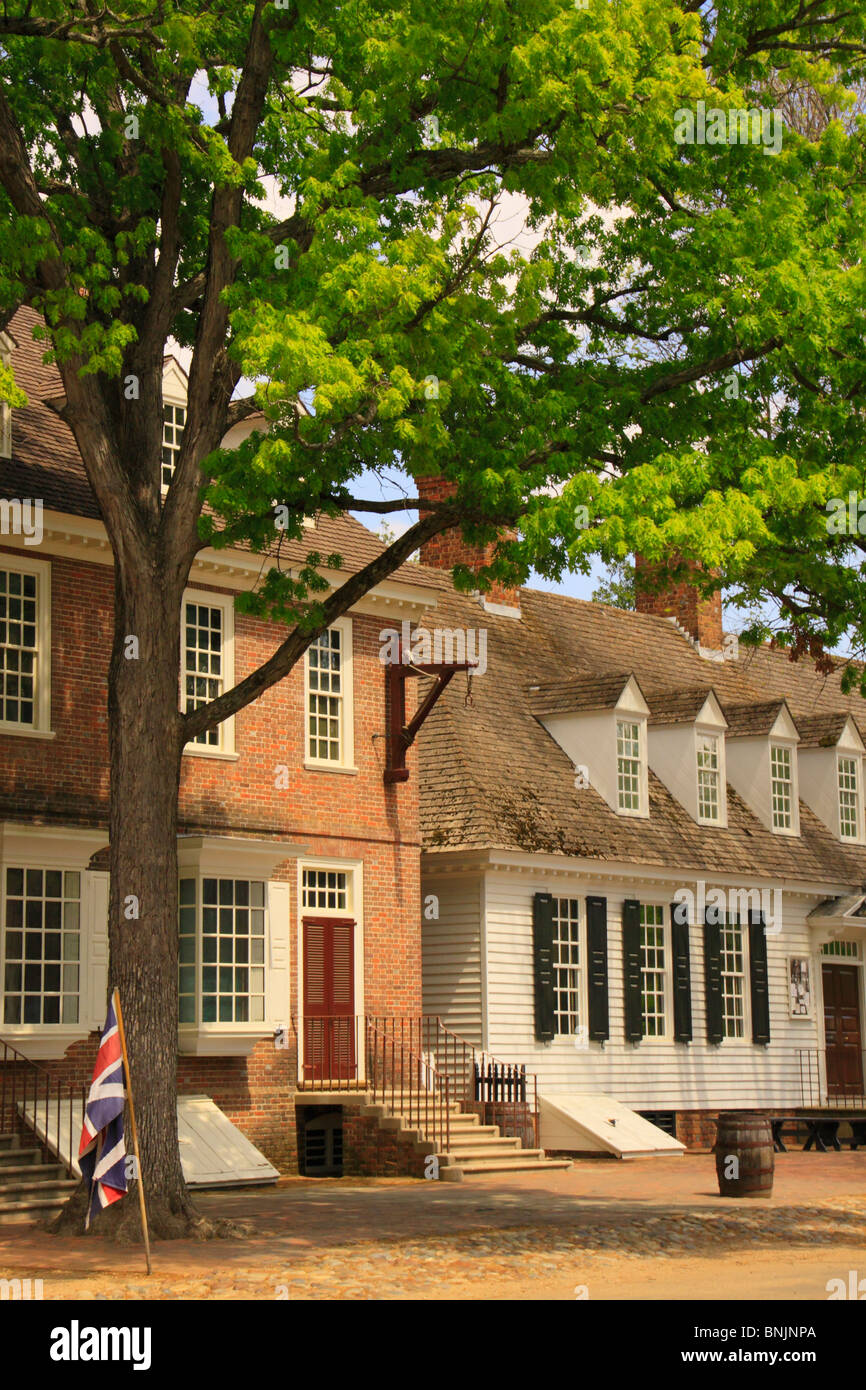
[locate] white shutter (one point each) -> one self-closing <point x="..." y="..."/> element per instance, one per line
<point x="278" y="982"/>
<point x="94" y="950"/>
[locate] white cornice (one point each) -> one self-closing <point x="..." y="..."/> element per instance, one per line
<point x="84" y="538"/>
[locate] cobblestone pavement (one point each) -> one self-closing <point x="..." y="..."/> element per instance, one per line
<point x="597" y="1230"/>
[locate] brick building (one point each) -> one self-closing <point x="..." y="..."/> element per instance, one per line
<point x="299" y="865"/>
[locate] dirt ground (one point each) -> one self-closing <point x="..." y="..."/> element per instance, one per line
<point x="650" y="1230"/>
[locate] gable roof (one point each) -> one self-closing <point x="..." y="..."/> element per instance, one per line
<point x="754" y="718"/>
<point x="822" y="730"/>
<point x="492" y="777"/>
<point x="46" y="463"/>
<point x="578" y="694"/>
<point x="678" y="706"/>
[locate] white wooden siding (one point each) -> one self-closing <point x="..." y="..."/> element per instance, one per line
<point x="654" y="1074"/>
<point x="452" y="956"/>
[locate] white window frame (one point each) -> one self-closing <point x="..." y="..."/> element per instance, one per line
<point x="226" y="730"/>
<point x="346" y="761"/>
<point x="729" y="922"/>
<point x="574" y="1017"/>
<point x="32" y="847"/>
<point x="177" y="404"/>
<point x="628" y="719"/>
<point x="716" y="741"/>
<point x="665" y="972"/>
<point x="857" y="836"/>
<point x="41" y="727"/>
<point x="258" y="1026"/>
<point x="794" y="827"/>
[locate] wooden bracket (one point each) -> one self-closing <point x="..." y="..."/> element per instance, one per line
<point x="400" y="734"/>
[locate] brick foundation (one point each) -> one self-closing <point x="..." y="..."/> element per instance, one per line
<point x="369" y="1151"/>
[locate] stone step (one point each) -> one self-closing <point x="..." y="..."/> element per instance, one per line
<point x="13" y="1174"/>
<point x="24" y="1190"/>
<point x="11" y="1157"/>
<point x="519" y="1164"/>
<point x="493" y="1148"/>
<point x="32" y="1209"/>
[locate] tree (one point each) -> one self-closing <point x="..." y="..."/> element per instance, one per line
<point x="617" y="586"/>
<point x="136" y="147"/>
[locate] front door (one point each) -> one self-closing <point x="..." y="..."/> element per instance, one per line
<point x="329" y="999"/>
<point x="842" y="1034"/>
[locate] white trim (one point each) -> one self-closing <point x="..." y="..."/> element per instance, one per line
<point x="6" y="346"/>
<point x="42" y="707"/>
<point x="791" y="744"/>
<point x="226" y="730"/>
<point x="354" y="869"/>
<point x="346" y="760"/>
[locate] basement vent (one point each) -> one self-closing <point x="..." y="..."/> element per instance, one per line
<point x="323" y="1145"/>
<point x="663" y="1119"/>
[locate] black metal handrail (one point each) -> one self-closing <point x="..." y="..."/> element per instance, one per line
<point x="28" y="1091"/>
<point x="819" y="1092"/>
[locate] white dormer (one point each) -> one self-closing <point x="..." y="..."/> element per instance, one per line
<point x="761" y="750"/>
<point x="601" y="723"/>
<point x="831" y="757"/>
<point x="687" y="752"/>
<point x="5" y="408"/>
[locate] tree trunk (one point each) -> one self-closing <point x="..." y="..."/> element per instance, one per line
<point x="145" y="753"/>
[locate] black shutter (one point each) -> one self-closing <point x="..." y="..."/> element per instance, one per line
<point x="631" y="976"/>
<point x="682" y="972"/>
<point x="760" y="983"/>
<point x="713" y="974"/>
<point x="596" y="949"/>
<point x="542" y="943"/>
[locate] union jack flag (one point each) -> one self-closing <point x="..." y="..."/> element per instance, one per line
<point x="102" y="1151"/>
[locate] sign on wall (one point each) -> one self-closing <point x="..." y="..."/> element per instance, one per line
<point x="800" y="987"/>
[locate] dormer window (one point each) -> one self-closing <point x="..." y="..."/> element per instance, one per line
<point x="782" y="786"/>
<point x="628" y="765"/>
<point x="5" y="408"/>
<point x="173" y="421"/>
<point x="709" y="791"/>
<point x="849" y="798"/>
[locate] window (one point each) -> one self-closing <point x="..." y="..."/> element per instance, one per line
<point x="628" y="766"/>
<point x="41" y="946"/>
<point x="18" y="646"/>
<point x="228" y="947"/>
<point x="25" y="645"/>
<point x="325" y="889"/>
<point x="733" y="979"/>
<point x="329" y="734"/>
<point x="173" y="421"/>
<point x="782" y="783"/>
<point x="652" y="969"/>
<point x="708" y="777"/>
<point x="849" y="799"/>
<point x="566" y="965"/>
<point x="207" y="662"/>
<point x="845" y="950"/>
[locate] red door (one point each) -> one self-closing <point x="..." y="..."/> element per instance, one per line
<point x="329" y="999"/>
<point x="842" y="1036"/>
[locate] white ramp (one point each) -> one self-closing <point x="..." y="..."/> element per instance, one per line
<point x="213" y="1152"/>
<point x="597" y="1124"/>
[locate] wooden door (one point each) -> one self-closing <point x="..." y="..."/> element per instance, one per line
<point x="329" y="999"/>
<point x="842" y="1033"/>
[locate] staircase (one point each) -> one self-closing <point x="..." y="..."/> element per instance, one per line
<point x="34" y="1183"/>
<point x="463" y="1147"/>
<point x="31" y="1188"/>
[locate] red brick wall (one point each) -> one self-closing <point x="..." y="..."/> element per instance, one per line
<point x="449" y="548"/>
<point x="64" y="780"/>
<point x="701" y="617"/>
<point x="369" y="1151"/>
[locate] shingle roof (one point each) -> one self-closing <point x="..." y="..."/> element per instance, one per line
<point x="757" y="718"/>
<point x="676" y="706"/>
<point x="46" y="464"/>
<point x="491" y="777"/>
<point x="821" y="730"/>
<point x="578" y="693"/>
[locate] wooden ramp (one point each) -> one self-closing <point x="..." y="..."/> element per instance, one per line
<point x="213" y="1152"/>
<point x="598" y="1124"/>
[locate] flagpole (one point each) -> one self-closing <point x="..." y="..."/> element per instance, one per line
<point x="121" y="1030"/>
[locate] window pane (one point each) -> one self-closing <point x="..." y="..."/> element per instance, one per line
<point x="566" y="965"/>
<point x="38" y="988"/>
<point x="18" y="649"/>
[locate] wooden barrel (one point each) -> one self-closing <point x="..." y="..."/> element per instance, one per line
<point x="744" y="1154"/>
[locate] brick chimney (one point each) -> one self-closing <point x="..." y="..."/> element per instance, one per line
<point x="449" y="548"/>
<point x="700" y="616"/>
